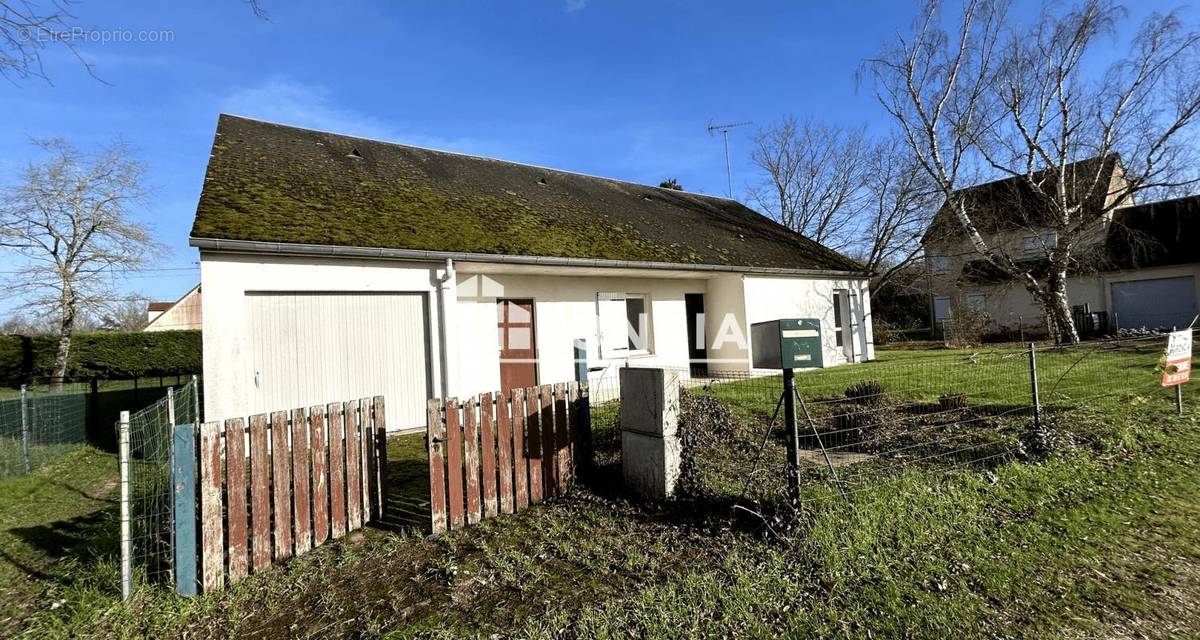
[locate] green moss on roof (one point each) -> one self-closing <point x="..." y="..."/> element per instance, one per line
<point x="273" y="183"/>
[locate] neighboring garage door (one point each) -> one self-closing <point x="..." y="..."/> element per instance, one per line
<point x="1162" y="302"/>
<point x="315" y="348"/>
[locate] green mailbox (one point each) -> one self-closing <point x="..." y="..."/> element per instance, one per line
<point x="790" y="343"/>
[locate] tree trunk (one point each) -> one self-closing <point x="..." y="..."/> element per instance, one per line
<point x="1058" y="307"/>
<point x="66" y="328"/>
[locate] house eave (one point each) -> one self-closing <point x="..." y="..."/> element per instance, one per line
<point x="295" y="249"/>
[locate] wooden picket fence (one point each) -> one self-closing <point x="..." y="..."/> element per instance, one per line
<point x="309" y="476"/>
<point x="497" y="454"/>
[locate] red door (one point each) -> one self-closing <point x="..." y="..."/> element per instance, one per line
<point x="518" y="345"/>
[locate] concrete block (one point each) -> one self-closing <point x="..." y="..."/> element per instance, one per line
<point x="650" y="464"/>
<point x="650" y="401"/>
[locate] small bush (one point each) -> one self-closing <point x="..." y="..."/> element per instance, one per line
<point x="950" y="401"/>
<point x="868" y="392"/>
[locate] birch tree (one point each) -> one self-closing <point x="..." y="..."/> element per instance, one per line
<point x="980" y="99"/>
<point x="67" y="221"/>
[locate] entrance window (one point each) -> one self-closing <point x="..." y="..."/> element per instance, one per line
<point x="624" y="324"/>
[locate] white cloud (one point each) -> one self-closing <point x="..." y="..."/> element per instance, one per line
<point x="576" y="5"/>
<point x="286" y="101"/>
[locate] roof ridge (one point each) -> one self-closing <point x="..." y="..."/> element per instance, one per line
<point x="480" y="157"/>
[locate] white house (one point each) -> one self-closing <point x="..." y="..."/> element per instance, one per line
<point x="336" y="267"/>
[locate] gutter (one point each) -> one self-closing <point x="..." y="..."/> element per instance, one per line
<point x="296" y="249"/>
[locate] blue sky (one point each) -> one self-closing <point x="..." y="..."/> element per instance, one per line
<point x="620" y="89"/>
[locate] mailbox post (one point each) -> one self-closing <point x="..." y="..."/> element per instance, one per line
<point x="788" y="344"/>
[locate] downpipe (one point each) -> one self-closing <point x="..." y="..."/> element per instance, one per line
<point x="443" y="348"/>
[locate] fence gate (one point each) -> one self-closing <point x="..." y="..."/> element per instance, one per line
<point x="496" y="454"/>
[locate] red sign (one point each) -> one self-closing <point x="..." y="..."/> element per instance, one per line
<point x="1177" y="364"/>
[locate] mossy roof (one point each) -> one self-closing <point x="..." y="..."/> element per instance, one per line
<point x="274" y="183"/>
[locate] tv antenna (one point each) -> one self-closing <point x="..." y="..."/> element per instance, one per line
<point x="724" y="129"/>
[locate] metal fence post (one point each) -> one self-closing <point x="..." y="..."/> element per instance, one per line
<point x="25" y="429"/>
<point x="126" y="509"/>
<point x="1033" y="386"/>
<point x="196" y="399"/>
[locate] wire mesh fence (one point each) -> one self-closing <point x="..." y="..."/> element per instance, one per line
<point x="40" y="423"/>
<point x="151" y="552"/>
<point x="860" y="425"/>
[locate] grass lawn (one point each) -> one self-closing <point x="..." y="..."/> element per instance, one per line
<point x="1097" y="540"/>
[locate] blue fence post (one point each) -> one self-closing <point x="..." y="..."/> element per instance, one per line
<point x="183" y="482"/>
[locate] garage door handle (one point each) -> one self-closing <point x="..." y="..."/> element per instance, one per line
<point x="256" y="380"/>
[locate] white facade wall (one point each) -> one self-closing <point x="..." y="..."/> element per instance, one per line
<point x="565" y="309"/>
<point x="228" y="371"/>
<point x="769" y="298"/>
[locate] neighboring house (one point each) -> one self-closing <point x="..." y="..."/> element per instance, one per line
<point x="1138" y="267"/>
<point x="336" y="267"/>
<point x="183" y="314"/>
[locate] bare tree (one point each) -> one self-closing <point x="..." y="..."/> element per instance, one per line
<point x="28" y="27"/>
<point x="899" y="201"/>
<point x="814" y="174"/>
<point x="68" y="221"/>
<point x="126" y="315"/>
<point x="1021" y="104"/>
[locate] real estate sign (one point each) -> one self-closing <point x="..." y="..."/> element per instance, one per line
<point x="1177" y="365"/>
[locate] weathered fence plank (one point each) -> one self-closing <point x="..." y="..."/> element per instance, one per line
<point x="235" y="497"/>
<point x="281" y="481"/>
<point x="562" y="440"/>
<point x="337" y="470"/>
<point x="533" y="442"/>
<point x="454" y="469"/>
<point x="260" y="492"/>
<point x="366" y="453"/>
<point x="471" y="460"/>
<point x="520" y="460"/>
<point x="487" y="451"/>
<point x="353" y="468"/>
<point x="212" y="559"/>
<point x="320" y="474"/>
<point x="504" y="453"/>
<point x="301" y="482"/>
<point x="379" y="466"/>
<point x="546" y="422"/>
<point x="436" y="434"/>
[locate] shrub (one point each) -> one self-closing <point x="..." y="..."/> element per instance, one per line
<point x="103" y="355"/>
<point x="868" y="392"/>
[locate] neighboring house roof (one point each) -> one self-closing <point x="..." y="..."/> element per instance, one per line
<point x="184" y="313"/>
<point x="278" y="184"/>
<point x="1012" y="203"/>
<point x="1157" y="234"/>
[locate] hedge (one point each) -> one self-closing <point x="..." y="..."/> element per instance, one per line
<point x="102" y="355"/>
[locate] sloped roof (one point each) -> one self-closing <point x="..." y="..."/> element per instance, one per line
<point x="273" y="183"/>
<point x="1012" y="203"/>
<point x="1157" y="234"/>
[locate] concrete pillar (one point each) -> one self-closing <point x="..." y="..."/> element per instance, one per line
<point x="650" y="445"/>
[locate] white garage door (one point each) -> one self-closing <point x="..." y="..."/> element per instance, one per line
<point x="1161" y="302"/>
<point x="316" y="348"/>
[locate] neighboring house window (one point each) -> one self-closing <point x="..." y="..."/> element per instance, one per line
<point x="977" y="301"/>
<point x="624" y="324"/>
<point x="837" y="317"/>
<point x="939" y="264"/>
<point x="941" y="308"/>
<point x="1038" y="244"/>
